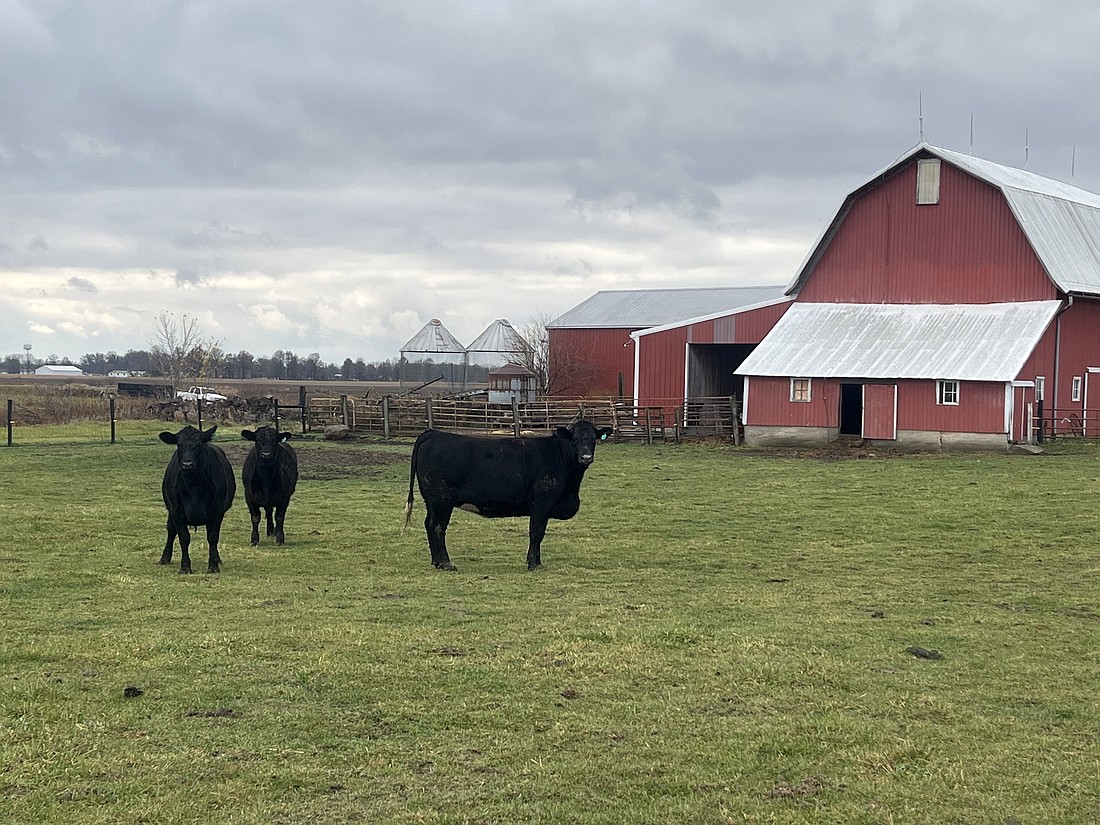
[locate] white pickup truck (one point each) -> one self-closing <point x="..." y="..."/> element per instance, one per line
<point x="200" y="394"/>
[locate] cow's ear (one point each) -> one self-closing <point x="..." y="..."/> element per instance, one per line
<point x="168" y="438"/>
<point x="605" y="433"/>
<point x="284" y="437"/>
<point x="564" y="432"/>
<point x="208" y="434"/>
<point x="248" y="435"/>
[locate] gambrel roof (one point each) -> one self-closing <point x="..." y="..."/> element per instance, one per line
<point x="964" y="342"/>
<point x="1060" y="221"/>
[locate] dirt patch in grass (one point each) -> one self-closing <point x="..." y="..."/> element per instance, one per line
<point x="332" y="462"/>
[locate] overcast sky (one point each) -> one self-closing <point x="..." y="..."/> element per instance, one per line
<point x="327" y="177"/>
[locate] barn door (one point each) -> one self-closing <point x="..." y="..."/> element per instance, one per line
<point x="1021" y="410"/>
<point x="880" y="411"/>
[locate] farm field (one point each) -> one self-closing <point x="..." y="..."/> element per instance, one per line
<point x="718" y="637"/>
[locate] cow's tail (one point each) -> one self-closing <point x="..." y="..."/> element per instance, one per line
<point x="412" y="481"/>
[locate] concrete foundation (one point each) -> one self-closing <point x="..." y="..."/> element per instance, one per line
<point x="757" y="436"/>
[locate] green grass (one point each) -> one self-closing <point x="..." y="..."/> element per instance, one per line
<point x="717" y="637"/>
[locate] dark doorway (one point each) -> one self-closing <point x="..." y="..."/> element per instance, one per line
<point x="712" y="369"/>
<point x="851" y="409"/>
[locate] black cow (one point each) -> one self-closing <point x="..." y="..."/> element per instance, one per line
<point x="498" y="477"/>
<point x="198" y="489"/>
<point x="270" y="475"/>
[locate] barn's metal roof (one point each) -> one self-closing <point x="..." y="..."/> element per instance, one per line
<point x="434" y="337"/>
<point x="965" y="342"/>
<point x="499" y="336"/>
<point x="1060" y="221"/>
<point x="640" y="308"/>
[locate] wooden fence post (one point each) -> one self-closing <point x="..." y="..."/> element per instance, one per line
<point x="302" y="407"/>
<point x="515" y="416"/>
<point x="431" y="414"/>
<point x="648" y="427"/>
<point x="344" y="409"/>
<point x="735" y="419"/>
<point x="385" y="416"/>
<point x="11" y="419"/>
<point x="111" y="398"/>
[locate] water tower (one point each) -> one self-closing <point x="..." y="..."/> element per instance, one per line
<point x="27" y="357"/>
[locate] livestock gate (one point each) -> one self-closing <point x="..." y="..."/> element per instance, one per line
<point x="395" y="416"/>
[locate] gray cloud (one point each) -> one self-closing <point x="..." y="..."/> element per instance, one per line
<point x="82" y="285"/>
<point x="351" y="171"/>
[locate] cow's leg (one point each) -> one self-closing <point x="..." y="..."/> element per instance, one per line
<point x="435" y="524"/>
<point x="270" y="523"/>
<point x="184" y="533"/>
<point x="254" y="514"/>
<point x="213" y="533"/>
<point x="280" y="517"/>
<point x="536" y="530"/>
<point x="166" y="556"/>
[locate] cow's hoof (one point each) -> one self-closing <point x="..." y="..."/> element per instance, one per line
<point x="254" y="542"/>
<point x="531" y="568"/>
<point x="185" y="571"/>
<point x="213" y="569"/>
<point x="448" y="567"/>
<point x="164" y="561"/>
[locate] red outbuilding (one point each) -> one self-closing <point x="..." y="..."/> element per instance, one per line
<point x="595" y="347"/>
<point x="951" y="302"/>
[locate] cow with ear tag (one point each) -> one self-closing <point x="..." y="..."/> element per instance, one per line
<point x="198" y="489"/>
<point x="270" y="476"/>
<point x="500" y="477"/>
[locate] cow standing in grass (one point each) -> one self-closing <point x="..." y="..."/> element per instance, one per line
<point x="270" y="475"/>
<point x="498" y="477"/>
<point x="198" y="489"/>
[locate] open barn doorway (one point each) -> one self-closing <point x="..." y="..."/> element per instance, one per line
<point x="712" y="370"/>
<point x="851" y="409"/>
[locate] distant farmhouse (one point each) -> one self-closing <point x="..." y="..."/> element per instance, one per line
<point x="950" y="302"/>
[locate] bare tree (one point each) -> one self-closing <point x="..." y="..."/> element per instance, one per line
<point x="178" y="348"/>
<point x="561" y="370"/>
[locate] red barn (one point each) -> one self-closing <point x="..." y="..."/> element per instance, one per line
<point x="950" y="302"/>
<point x="594" y="347"/>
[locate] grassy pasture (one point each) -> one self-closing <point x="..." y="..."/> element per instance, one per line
<point x="718" y="637"/>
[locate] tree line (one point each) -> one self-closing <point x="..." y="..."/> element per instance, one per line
<point x="212" y="363"/>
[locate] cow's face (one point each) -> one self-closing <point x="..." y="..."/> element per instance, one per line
<point x="189" y="445"/>
<point x="583" y="435"/>
<point x="267" y="442"/>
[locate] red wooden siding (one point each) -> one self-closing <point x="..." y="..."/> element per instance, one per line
<point x="770" y="404"/>
<point x="663" y="354"/>
<point x="968" y="248"/>
<point x="588" y="361"/>
<point x="981" y="407"/>
<point x="880" y="411"/>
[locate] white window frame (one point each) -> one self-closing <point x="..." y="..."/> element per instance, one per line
<point x="928" y="181"/>
<point x="947" y="393"/>
<point x="809" y="389"/>
<point x="1075" y="392"/>
<point x="1040" y="387"/>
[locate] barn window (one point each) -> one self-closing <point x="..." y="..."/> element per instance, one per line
<point x="947" y="392"/>
<point x="800" y="389"/>
<point x="928" y="181"/>
<point x="1076" y="391"/>
<point x="1040" y="387"/>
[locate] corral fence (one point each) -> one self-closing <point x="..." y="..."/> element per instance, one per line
<point x="96" y="417"/>
<point x="391" y="416"/>
<point x="1050" y="424"/>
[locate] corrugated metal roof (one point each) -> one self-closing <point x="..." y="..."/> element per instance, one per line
<point x="1061" y="222"/>
<point x="499" y="336"/>
<point x="434" y="337"/>
<point x="964" y="342"/>
<point x="640" y="308"/>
